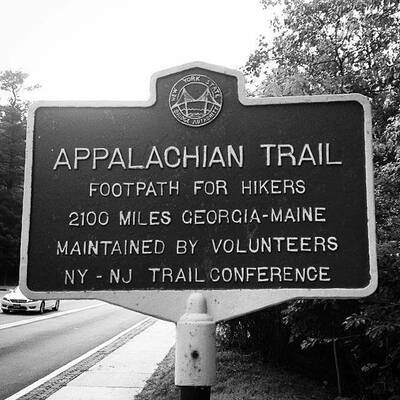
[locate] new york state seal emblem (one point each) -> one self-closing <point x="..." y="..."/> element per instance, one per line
<point x="195" y="100"/>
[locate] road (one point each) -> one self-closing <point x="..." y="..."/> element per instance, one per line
<point x="31" y="351"/>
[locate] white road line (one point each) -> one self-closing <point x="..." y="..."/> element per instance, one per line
<point x="55" y="315"/>
<point x="58" y="371"/>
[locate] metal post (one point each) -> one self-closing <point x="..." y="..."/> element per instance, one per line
<point x="195" y="356"/>
<point x="195" y="392"/>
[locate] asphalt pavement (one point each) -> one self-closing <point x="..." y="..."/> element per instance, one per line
<point x="33" y="346"/>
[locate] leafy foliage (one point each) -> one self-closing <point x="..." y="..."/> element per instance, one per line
<point x="12" y="147"/>
<point x="10" y="227"/>
<point x="253" y="332"/>
<point x="329" y="47"/>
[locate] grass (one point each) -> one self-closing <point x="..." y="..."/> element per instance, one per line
<point x="240" y="376"/>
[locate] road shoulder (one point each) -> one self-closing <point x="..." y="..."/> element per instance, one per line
<point x="118" y="370"/>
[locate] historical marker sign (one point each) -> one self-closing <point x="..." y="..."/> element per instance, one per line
<point x="251" y="201"/>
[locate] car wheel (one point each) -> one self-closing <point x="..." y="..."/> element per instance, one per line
<point x="5" y="311"/>
<point x="56" y="306"/>
<point x="41" y="309"/>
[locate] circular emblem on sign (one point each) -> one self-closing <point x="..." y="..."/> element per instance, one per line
<point x="195" y="100"/>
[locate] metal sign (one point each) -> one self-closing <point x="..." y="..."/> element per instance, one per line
<point x="248" y="201"/>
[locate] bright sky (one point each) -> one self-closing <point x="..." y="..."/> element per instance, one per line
<point x="108" y="49"/>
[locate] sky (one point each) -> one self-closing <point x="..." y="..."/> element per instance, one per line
<point x="108" y="49"/>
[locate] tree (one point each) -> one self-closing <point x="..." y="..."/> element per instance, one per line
<point x="329" y="47"/>
<point x="12" y="147"/>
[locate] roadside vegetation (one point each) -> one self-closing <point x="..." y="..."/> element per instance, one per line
<point x="240" y="376"/>
<point x="12" y="159"/>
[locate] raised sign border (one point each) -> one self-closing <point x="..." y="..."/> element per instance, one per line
<point x="222" y="304"/>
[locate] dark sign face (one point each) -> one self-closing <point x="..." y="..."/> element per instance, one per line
<point x="199" y="189"/>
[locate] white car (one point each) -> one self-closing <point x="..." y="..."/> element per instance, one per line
<point x="16" y="301"/>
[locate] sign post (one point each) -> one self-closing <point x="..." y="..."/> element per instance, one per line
<point x="195" y="365"/>
<point x="200" y="204"/>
